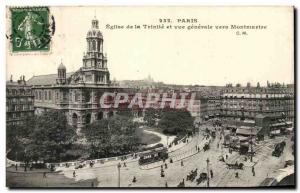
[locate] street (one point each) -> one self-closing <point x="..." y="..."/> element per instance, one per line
<point x="106" y="175"/>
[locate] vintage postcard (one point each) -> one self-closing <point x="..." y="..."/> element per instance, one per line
<point x="150" y="97"/>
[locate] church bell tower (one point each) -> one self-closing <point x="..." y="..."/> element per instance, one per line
<point x="94" y="60"/>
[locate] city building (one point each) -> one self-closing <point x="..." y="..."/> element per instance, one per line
<point x="269" y="109"/>
<point x="77" y="93"/>
<point x="19" y="101"/>
<point x="248" y="102"/>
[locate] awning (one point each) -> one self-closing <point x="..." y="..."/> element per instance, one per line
<point x="247" y="131"/>
<point x="277" y="124"/>
<point x="242" y="138"/>
<point x="249" y="121"/>
<point x="231" y="126"/>
<point x="275" y="132"/>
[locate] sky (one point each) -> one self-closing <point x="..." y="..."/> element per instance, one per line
<point x="204" y="57"/>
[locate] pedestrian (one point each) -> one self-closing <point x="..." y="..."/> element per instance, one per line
<point x="226" y="156"/>
<point x="211" y="174"/>
<point x="44" y="175"/>
<point x="236" y="163"/>
<point x="236" y="175"/>
<point x="253" y="169"/>
<point x="222" y="159"/>
<point x="16" y="165"/>
<point x="253" y="172"/>
<point x="183" y="182"/>
<point x="74" y="174"/>
<point x="166" y="184"/>
<point x="162" y="174"/>
<point x="171" y="160"/>
<point x="124" y="164"/>
<point x="134" y="179"/>
<point x="181" y="162"/>
<point x="166" y="166"/>
<point x="161" y="167"/>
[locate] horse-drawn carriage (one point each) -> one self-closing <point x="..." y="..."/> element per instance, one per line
<point x="213" y="134"/>
<point x="203" y="176"/>
<point x="239" y="166"/>
<point x="206" y="146"/>
<point x="192" y="175"/>
<point x="278" y="149"/>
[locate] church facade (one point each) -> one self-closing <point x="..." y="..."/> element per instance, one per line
<point x="77" y="93"/>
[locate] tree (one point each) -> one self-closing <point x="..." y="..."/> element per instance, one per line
<point x="111" y="137"/>
<point x="51" y="137"/>
<point x="151" y="115"/>
<point x="258" y="85"/>
<point x="126" y="112"/>
<point x="177" y="122"/>
<point x="17" y="136"/>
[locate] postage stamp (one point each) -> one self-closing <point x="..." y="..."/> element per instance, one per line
<point x="30" y="29"/>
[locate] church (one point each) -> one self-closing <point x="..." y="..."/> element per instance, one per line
<point x="77" y="93"/>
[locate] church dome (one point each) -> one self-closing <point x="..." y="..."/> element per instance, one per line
<point x="94" y="31"/>
<point x="61" y="67"/>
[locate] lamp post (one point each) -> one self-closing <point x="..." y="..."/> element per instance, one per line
<point x="167" y="141"/>
<point x="119" y="174"/>
<point x="207" y="161"/>
<point x="251" y="146"/>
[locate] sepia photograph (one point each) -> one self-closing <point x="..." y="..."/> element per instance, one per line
<point x="150" y="97"/>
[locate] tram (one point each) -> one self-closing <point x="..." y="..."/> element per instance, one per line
<point x="152" y="156"/>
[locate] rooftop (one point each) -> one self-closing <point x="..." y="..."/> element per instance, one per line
<point x="48" y="79"/>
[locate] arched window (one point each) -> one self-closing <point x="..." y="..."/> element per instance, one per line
<point x="87" y="96"/>
<point x="74" y="119"/>
<point x="45" y="97"/>
<point x="50" y="95"/>
<point x="100" y="116"/>
<point x="88" y="119"/>
<point x="77" y="95"/>
<point x="98" y="47"/>
<point x="94" y="45"/>
<point x="89" y="46"/>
